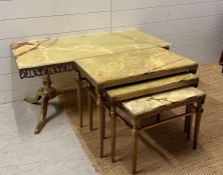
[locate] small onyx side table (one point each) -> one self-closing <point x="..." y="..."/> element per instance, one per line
<point x="50" y="56"/>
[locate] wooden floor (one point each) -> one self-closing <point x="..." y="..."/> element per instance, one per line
<point x="164" y="149"/>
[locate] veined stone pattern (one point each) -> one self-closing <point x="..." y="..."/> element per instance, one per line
<point x="153" y="102"/>
<point x="67" y="49"/>
<point x="128" y="65"/>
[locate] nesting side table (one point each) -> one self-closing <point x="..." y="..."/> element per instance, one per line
<point x="128" y="67"/>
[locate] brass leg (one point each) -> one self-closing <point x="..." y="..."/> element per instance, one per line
<point x="113" y="133"/>
<point x="135" y="147"/>
<point x="186" y="120"/>
<point x="79" y="98"/>
<point x="36" y="98"/>
<point x="90" y="109"/>
<point x="42" y="121"/>
<point x="197" y="124"/>
<point x="158" y="117"/>
<point x="100" y="111"/>
<point x="104" y="122"/>
<point x="190" y="119"/>
<point x="185" y="124"/>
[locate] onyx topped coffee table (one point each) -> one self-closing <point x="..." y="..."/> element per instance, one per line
<point x="50" y="56"/>
<point x="103" y="72"/>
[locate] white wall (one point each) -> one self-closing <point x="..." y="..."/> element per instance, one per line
<point x="195" y="27"/>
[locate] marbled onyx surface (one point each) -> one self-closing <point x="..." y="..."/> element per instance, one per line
<point x="153" y="102"/>
<point x="152" y="86"/>
<point x="54" y="51"/>
<point x="132" y="65"/>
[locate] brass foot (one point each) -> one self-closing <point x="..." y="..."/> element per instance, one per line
<point x="36" y="98"/>
<point x="39" y="127"/>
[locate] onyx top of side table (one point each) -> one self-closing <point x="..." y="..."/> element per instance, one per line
<point x="49" y="56"/>
<point x="131" y="66"/>
<point x="128" y="67"/>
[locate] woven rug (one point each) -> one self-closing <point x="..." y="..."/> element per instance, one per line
<point x="163" y="149"/>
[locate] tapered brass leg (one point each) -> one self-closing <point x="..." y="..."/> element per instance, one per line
<point x="104" y="122"/>
<point x="135" y="147"/>
<point x="79" y="98"/>
<point x="42" y="121"/>
<point x="158" y="117"/>
<point x="189" y="122"/>
<point x="197" y="124"/>
<point x="185" y="124"/>
<point x="36" y="98"/>
<point x="186" y="120"/>
<point x="90" y="109"/>
<point x="113" y="134"/>
<point x="196" y="132"/>
<point x="100" y="110"/>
